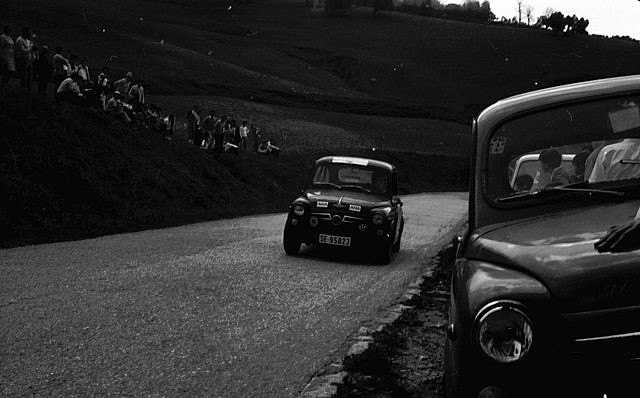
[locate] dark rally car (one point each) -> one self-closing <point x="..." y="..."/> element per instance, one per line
<point x="348" y="202"/>
<point x="537" y="309"/>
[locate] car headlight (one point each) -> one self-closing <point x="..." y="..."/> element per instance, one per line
<point x="298" y="210"/>
<point x="504" y="333"/>
<point x="377" y="219"/>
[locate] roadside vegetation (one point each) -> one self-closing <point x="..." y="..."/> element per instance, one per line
<point x="397" y="87"/>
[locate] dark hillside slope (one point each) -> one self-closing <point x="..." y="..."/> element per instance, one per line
<point x="70" y="173"/>
<point x="279" y="52"/>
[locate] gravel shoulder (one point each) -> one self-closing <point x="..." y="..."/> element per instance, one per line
<point x="407" y="359"/>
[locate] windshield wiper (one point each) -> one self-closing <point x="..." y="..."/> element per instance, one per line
<point x="330" y="184"/>
<point x="357" y="187"/>
<point x="570" y="188"/>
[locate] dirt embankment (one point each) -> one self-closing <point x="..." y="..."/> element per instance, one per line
<point x="70" y="173"/>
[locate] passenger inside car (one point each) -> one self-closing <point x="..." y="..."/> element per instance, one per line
<point x="617" y="161"/>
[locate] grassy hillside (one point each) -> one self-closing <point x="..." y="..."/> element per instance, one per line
<point x="404" y="85"/>
<point x="70" y="173"/>
<point x="280" y="52"/>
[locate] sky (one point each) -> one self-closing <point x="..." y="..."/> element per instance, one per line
<point x="606" y="17"/>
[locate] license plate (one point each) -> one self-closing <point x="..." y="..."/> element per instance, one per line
<point x="335" y="240"/>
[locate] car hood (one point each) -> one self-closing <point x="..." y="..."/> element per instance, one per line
<point x="344" y="198"/>
<point x="558" y="250"/>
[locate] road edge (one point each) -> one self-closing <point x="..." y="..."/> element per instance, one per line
<point x="333" y="382"/>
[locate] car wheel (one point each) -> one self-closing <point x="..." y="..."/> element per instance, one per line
<point x="291" y="243"/>
<point x="384" y="254"/>
<point x="396" y="246"/>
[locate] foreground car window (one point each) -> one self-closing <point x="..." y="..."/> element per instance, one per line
<point x="573" y="148"/>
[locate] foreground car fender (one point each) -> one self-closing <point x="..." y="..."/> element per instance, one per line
<point x="474" y="285"/>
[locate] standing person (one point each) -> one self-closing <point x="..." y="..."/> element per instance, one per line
<point x="43" y="70"/>
<point x="7" y="56"/>
<point x="73" y="65"/>
<point x="193" y="124"/>
<point x="83" y="72"/>
<point x="236" y="133"/>
<point x="61" y="66"/>
<point x="244" y="133"/>
<point x="170" y="123"/>
<point x="218" y="135"/>
<point x="208" y="126"/>
<point x="257" y="138"/>
<point x="24" y="58"/>
<point x="136" y="95"/>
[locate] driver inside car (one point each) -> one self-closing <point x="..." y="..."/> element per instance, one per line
<point x="379" y="183"/>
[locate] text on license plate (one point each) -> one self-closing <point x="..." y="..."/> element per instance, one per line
<point x="335" y="240"/>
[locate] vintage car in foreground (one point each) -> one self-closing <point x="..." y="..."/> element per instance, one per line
<point x="348" y="202"/>
<point x="536" y="309"/>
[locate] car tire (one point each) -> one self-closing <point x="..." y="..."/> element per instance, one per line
<point x="290" y="243"/>
<point x="396" y="246"/>
<point x="384" y="254"/>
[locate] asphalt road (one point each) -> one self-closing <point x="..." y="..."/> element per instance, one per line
<point x="209" y="309"/>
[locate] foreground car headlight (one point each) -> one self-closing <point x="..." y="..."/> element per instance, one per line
<point x="377" y="219"/>
<point x="298" y="210"/>
<point x="504" y="333"/>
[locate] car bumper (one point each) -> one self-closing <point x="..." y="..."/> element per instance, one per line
<point x="362" y="235"/>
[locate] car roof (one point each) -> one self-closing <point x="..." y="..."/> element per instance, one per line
<point x="357" y="161"/>
<point x="552" y="95"/>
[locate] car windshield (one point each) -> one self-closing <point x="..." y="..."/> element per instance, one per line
<point x="584" y="148"/>
<point x="352" y="177"/>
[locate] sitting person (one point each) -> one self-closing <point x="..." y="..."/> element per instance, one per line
<point x="551" y="172"/>
<point x="578" y="163"/>
<point x="268" y="148"/>
<point x="617" y="161"/>
<point x="69" y="90"/>
<point x="115" y="106"/>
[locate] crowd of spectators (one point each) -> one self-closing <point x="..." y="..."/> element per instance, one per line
<point x="225" y="134"/>
<point x="72" y="82"/>
<point x="122" y="97"/>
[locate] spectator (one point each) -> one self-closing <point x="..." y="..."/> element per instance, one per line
<point x="136" y="95"/>
<point x="617" y="161"/>
<point x="193" y="125"/>
<point x="43" y="70"/>
<point x="61" y="67"/>
<point x="236" y="133"/>
<point x="24" y="58"/>
<point x="208" y="126"/>
<point x="170" y="123"/>
<point x="83" y="72"/>
<point x="73" y="65"/>
<point x="104" y="80"/>
<point x="244" y="133"/>
<point x="218" y="135"/>
<point x="115" y="107"/>
<point x="7" y="56"/>
<point x="69" y="90"/>
<point x="122" y="85"/>
<point x="255" y="136"/>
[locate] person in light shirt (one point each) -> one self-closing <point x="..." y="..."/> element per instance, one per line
<point x="617" y="161"/>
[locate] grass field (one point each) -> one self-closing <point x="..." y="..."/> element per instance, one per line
<point x="397" y="87"/>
